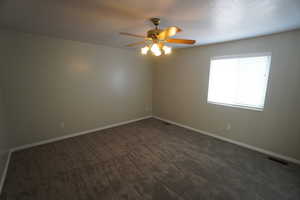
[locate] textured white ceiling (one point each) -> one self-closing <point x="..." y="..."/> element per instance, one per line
<point x="100" y="21"/>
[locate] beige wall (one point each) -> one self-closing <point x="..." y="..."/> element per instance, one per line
<point x="3" y="137"/>
<point x="180" y="84"/>
<point x="48" y="81"/>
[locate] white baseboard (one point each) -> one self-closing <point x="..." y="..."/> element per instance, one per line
<point x="5" y="171"/>
<point x="270" y="153"/>
<point x="77" y="134"/>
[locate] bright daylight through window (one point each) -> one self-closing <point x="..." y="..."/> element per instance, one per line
<point x="239" y="81"/>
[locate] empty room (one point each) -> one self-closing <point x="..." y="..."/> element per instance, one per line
<point x="149" y="100"/>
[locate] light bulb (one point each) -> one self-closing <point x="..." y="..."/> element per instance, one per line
<point x="167" y="50"/>
<point x="155" y="49"/>
<point x="157" y="53"/>
<point x="144" y="50"/>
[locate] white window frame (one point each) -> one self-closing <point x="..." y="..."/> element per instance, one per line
<point x="269" y="54"/>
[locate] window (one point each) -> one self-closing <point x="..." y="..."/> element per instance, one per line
<point x="239" y="81"/>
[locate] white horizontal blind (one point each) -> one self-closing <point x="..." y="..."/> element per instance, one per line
<point x="239" y="81"/>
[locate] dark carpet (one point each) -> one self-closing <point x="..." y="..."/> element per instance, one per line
<point x="147" y="160"/>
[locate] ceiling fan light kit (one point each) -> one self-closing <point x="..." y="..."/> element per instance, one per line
<point x="156" y="39"/>
<point x="156" y="49"/>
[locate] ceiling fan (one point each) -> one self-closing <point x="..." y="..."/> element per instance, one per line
<point x="156" y="39"/>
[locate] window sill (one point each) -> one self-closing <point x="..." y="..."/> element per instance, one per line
<point x="236" y="106"/>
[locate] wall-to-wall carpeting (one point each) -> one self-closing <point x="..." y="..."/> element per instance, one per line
<point x="148" y="159"/>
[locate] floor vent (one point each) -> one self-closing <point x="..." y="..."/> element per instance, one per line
<point x="278" y="160"/>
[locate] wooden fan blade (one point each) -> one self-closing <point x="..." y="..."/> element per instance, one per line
<point x="180" y="41"/>
<point x="134" y="44"/>
<point x="132" y="35"/>
<point x="168" y="32"/>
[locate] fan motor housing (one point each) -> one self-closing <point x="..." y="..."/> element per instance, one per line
<point x="153" y="33"/>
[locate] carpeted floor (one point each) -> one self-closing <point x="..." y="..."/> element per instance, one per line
<point x="147" y="160"/>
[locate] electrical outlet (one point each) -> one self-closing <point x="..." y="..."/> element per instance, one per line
<point x="62" y="124"/>
<point x="228" y="127"/>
